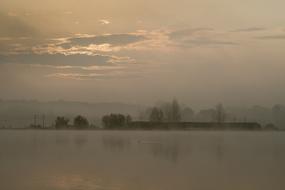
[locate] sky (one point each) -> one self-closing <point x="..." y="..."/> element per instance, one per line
<point x="201" y="52"/>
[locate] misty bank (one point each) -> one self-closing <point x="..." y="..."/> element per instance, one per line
<point x="169" y="126"/>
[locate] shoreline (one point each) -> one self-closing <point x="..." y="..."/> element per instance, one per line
<point x="168" y="130"/>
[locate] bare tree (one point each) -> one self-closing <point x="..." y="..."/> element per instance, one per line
<point x="156" y="115"/>
<point x="175" y="111"/>
<point x="220" y="114"/>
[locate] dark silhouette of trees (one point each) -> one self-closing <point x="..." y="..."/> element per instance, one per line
<point x="175" y="111"/>
<point x="129" y="119"/>
<point x="167" y="111"/>
<point x="61" y="122"/>
<point x="220" y="114"/>
<point x="278" y="114"/>
<point x="116" y="121"/>
<point x="80" y="122"/>
<point x="270" y="126"/>
<point x="156" y="115"/>
<point x="171" y="111"/>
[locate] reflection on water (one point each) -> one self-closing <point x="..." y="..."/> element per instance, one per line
<point x="61" y="139"/>
<point x="134" y="160"/>
<point x="80" y="140"/>
<point x="115" y="143"/>
<point x="164" y="151"/>
<point x="68" y="182"/>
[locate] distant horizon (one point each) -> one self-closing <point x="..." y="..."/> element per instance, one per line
<point x="130" y="103"/>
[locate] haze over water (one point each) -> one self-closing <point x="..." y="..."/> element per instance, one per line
<point x="134" y="160"/>
<point x="142" y="64"/>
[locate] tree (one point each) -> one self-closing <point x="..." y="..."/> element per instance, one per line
<point x="80" y="122"/>
<point x="176" y="112"/>
<point x="106" y="120"/>
<point x="119" y="120"/>
<point x="167" y="111"/>
<point x="156" y="115"/>
<point x="171" y="111"/>
<point x="278" y="114"/>
<point x="61" y="122"/>
<point x="129" y="119"/>
<point x="113" y="121"/>
<point x="220" y="113"/>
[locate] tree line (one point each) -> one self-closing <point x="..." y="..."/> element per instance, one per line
<point x="79" y="122"/>
<point x="173" y="112"/>
<point x="167" y="112"/>
<point x="111" y="121"/>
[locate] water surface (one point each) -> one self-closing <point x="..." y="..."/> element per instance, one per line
<point x="141" y="160"/>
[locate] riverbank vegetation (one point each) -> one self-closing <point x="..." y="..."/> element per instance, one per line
<point x="164" y="116"/>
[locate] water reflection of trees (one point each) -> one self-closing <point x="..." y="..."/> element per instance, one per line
<point x="80" y="140"/>
<point x="168" y="152"/>
<point x="61" y="140"/>
<point x="115" y="143"/>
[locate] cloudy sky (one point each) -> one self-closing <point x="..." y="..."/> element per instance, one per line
<point x="142" y="51"/>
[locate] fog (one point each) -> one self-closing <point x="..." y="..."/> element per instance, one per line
<point x="23" y="114"/>
<point x="142" y="94"/>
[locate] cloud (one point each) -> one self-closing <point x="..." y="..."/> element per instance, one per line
<point x="75" y="76"/>
<point x="104" y="22"/>
<point x="112" y="39"/>
<point x="16" y="35"/>
<point x="97" y="68"/>
<point x="12" y="14"/>
<point x="178" y="34"/>
<point x="208" y="42"/>
<point x="92" y="44"/>
<point x="68" y="12"/>
<point x="94" y="76"/>
<point x="197" y="37"/>
<point x="58" y="59"/>
<point x="272" y="37"/>
<point x="76" y="66"/>
<point x="54" y="48"/>
<point x="251" y="29"/>
<point x="13" y="26"/>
